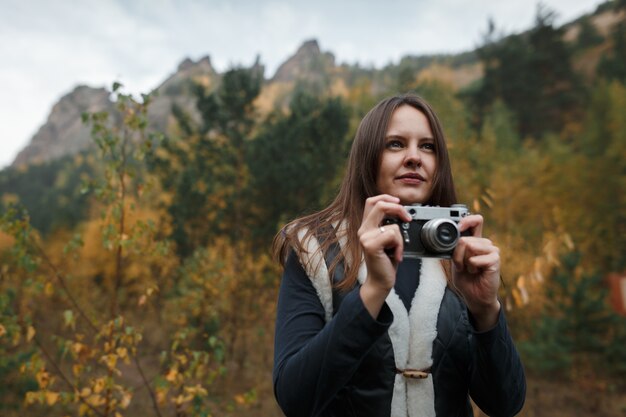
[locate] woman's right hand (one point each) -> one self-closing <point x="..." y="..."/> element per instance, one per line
<point x="382" y="248"/>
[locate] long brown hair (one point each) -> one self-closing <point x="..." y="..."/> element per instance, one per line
<point x="359" y="183"/>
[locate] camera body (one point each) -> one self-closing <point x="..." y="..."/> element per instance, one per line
<point x="433" y="231"/>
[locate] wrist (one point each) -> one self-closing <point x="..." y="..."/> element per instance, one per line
<point x="485" y="315"/>
<point x="373" y="296"/>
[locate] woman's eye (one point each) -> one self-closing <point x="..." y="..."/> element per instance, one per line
<point x="429" y="146"/>
<point x="394" y="144"/>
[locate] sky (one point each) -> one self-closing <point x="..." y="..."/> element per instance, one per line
<point x="49" y="47"/>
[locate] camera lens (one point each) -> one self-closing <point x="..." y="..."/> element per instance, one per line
<point x="440" y="235"/>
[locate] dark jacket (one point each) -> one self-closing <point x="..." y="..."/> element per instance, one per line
<point x="345" y="367"/>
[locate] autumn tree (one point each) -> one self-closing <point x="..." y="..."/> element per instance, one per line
<point x="85" y="346"/>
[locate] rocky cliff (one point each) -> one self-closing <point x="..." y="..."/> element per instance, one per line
<point x="64" y="132"/>
<point x="308" y="63"/>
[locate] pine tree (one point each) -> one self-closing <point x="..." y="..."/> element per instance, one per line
<point x="294" y="159"/>
<point x="613" y="65"/>
<point x="572" y="332"/>
<point x="205" y="169"/>
<point x="532" y="74"/>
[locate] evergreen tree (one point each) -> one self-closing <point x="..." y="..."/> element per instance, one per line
<point x="531" y="73"/>
<point x="574" y="328"/>
<point x="601" y="150"/>
<point x="588" y="36"/>
<point x="51" y="191"/>
<point x="205" y="168"/>
<point x="613" y="65"/>
<point x="295" y="158"/>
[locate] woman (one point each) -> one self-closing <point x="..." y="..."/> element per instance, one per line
<point x="362" y="332"/>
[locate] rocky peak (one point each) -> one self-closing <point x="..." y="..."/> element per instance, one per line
<point x="308" y="63"/>
<point x="188" y="69"/>
<point x="64" y="132"/>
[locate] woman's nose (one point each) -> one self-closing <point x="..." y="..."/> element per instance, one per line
<point x="412" y="157"/>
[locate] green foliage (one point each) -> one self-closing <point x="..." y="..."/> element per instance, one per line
<point x="49" y="191"/>
<point x="205" y="168"/>
<point x="613" y="65"/>
<point x="14" y="385"/>
<point x="601" y="160"/>
<point x="532" y="74"/>
<point x="574" y="328"/>
<point x="588" y="36"/>
<point x="294" y="159"/>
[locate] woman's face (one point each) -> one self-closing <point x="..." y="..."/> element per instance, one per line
<point x="408" y="162"/>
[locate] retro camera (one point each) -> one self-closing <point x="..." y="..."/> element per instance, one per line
<point x="433" y="231"/>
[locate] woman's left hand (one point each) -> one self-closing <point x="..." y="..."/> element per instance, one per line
<point x="476" y="272"/>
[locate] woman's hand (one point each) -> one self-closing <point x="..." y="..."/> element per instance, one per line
<point x="382" y="248"/>
<point x="476" y="273"/>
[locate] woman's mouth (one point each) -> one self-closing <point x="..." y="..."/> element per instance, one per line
<point x="412" y="178"/>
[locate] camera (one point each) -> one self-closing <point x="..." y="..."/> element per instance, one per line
<point x="433" y="231"/>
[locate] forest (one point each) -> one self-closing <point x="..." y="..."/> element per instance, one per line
<point x="136" y="277"/>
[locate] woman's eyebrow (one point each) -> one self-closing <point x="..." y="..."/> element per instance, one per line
<point x="395" y="136"/>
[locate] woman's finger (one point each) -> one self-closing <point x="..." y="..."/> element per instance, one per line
<point x="382" y="209"/>
<point x="483" y="262"/>
<point x="474" y="223"/>
<point x="469" y="247"/>
<point x="371" y="202"/>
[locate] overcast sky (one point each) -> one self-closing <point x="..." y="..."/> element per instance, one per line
<point x="49" y="47"/>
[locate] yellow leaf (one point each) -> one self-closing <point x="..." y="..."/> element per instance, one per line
<point x="98" y="386"/>
<point x="110" y="360"/>
<point x="48" y="289"/>
<point x="122" y="352"/>
<point x="3" y="331"/>
<point x="161" y="395"/>
<point x="77" y="347"/>
<point x="30" y="333"/>
<point x="476" y="206"/>
<point x="43" y="378"/>
<point x="77" y="369"/>
<point x="31" y="397"/>
<point x="239" y="399"/>
<point x="96" y="400"/>
<point x="83" y="409"/>
<point x="196" y="390"/>
<point x="52" y="397"/>
<point x="181" y="399"/>
<point x="126" y="397"/>
<point x="171" y="375"/>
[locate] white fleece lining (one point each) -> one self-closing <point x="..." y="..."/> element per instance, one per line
<point x="412" y="333"/>
<point x="315" y="267"/>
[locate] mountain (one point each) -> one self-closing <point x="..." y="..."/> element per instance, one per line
<point x="309" y="67"/>
<point x="64" y="132"/>
<point x="307" y="63"/>
<point x="177" y="90"/>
